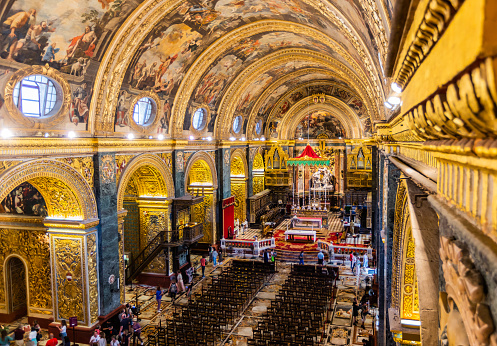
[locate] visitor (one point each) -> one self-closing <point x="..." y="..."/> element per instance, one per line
<point x="301" y="257"/>
<point x="67" y="342"/>
<point x="113" y="341"/>
<point x="125" y="323"/>
<point x="62" y="329"/>
<point x="273" y="256"/>
<point x="358" y="270"/>
<point x="320" y="257"/>
<point x="179" y="279"/>
<point x="220" y="257"/>
<point x="158" y="297"/>
<point x="19" y="336"/>
<point x="103" y="340"/>
<point x="364" y="313"/>
<point x="108" y="328"/>
<point x="355" y="312"/>
<point x="52" y="341"/>
<point x="189" y="289"/>
<point x="265" y="256"/>
<point x="173" y="289"/>
<point x="365" y="260"/>
<point x="4" y="338"/>
<point x="202" y="264"/>
<point x="214" y="257"/>
<point x="353" y="262"/>
<point x="189" y="273"/>
<point x="36" y="326"/>
<point x="32" y="341"/>
<point x="125" y="338"/>
<point x="93" y="340"/>
<point x="210" y="253"/>
<point x="137" y="329"/>
<point x="351" y="258"/>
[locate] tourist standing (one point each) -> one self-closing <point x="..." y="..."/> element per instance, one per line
<point x="320" y="257"/>
<point x="32" y="338"/>
<point x="158" y="297"/>
<point x="67" y="342"/>
<point x="265" y="256"/>
<point x="19" y="336"/>
<point x="103" y="340"/>
<point x="210" y="253"/>
<point x="179" y="280"/>
<point x="62" y="329"/>
<point x="351" y="258"/>
<point x="355" y="312"/>
<point x="214" y="257"/>
<point x="173" y="289"/>
<point x="125" y="338"/>
<point x="202" y="264"/>
<point x="113" y="341"/>
<point x="301" y="257"/>
<point x="353" y="262"/>
<point x="5" y="339"/>
<point x="364" y="312"/>
<point x="365" y="260"/>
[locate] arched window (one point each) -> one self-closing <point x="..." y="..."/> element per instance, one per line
<point x="199" y="119"/>
<point x="143" y="111"/>
<point x="237" y="124"/>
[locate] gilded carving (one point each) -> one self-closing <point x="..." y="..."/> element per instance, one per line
<point x="168" y="159"/>
<point x="257" y="184"/>
<point x="107" y="169"/>
<point x="91" y="255"/>
<point x="33" y="247"/>
<point x="465" y="110"/>
<point x="4" y="165"/>
<point x="121" y="163"/>
<point x="436" y="19"/>
<point x="401" y="212"/>
<point x="239" y="190"/>
<point x="74" y="183"/>
<point x="153" y="221"/>
<point x="84" y="165"/>
<point x="466" y="286"/>
<point x="68" y="261"/>
<point x="203" y="213"/>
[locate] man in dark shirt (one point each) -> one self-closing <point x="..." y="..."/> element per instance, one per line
<point x="125" y="322"/>
<point x="19" y="336"/>
<point x="125" y="338"/>
<point x="108" y="329"/>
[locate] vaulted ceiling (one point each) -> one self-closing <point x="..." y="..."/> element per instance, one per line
<point x="262" y="60"/>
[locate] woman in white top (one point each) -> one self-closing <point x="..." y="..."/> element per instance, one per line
<point x="179" y="280"/>
<point x="114" y="342"/>
<point x="63" y="329"/>
<point x="94" y="339"/>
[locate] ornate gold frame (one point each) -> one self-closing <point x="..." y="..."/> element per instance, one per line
<point x="20" y="119"/>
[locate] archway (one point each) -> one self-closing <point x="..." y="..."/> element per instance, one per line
<point x="143" y="196"/>
<point x="238" y="175"/>
<point x="201" y="181"/>
<point x="16" y="288"/>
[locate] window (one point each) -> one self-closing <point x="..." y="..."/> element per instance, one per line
<point x="36" y="96"/>
<point x="258" y="127"/>
<point x="237" y="124"/>
<point x="199" y="119"/>
<point x="142" y="112"/>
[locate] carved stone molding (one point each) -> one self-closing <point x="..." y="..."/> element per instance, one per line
<point x="202" y="155"/>
<point x="436" y="19"/>
<point x="466" y="286"/>
<point x="466" y="108"/>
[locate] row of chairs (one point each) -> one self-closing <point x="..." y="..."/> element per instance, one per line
<point x="299" y="312"/>
<point x="213" y="311"/>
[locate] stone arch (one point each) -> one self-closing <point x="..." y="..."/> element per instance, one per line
<point x="153" y="161"/>
<point x="202" y="155"/>
<point x="75" y="198"/>
<point x="240" y="154"/>
<point x="339" y="109"/>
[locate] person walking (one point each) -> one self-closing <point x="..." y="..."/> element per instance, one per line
<point x="301" y="257"/>
<point x="214" y="257"/>
<point x="355" y="312"/>
<point x="320" y="257"/>
<point x="137" y="329"/>
<point x="210" y="253"/>
<point x="158" y="297"/>
<point x="202" y="264"/>
<point x="265" y="256"/>
<point x="353" y="262"/>
<point x="173" y="289"/>
<point x="364" y="313"/>
<point x="351" y="258"/>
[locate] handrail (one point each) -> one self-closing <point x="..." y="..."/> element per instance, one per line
<point x="255" y="245"/>
<point x="143" y="257"/>
<point x="342" y="250"/>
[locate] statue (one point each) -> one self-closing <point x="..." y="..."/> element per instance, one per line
<point x="322" y="179"/>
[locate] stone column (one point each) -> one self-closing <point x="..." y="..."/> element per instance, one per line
<point x="179" y="173"/>
<point x="108" y="235"/>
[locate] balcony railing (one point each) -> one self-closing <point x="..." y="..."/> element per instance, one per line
<point x="193" y="233"/>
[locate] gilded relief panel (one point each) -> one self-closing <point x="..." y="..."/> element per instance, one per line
<point x="91" y="255"/>
<point x="33" y="247"/>
<point x="258" y="184"/>
<point x="202" y="213"/>
<point x="4" y="165"/>
<point x="239" y="190"/>
<point x="152" y="222"/>
<point x="68" y="263"/>
<point x="60" y="199"/>
<point x="84" y="165"/>
<point x="121" y="163"/>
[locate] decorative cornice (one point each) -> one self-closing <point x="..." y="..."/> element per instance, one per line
<point x="436" y="19"/>
<point x="464" y="109"/>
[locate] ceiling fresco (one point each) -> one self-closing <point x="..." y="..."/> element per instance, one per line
<point x="64" y="34"/>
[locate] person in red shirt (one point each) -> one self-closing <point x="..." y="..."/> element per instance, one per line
<point x="202" y="263"/>
<point x="52" y="341"/>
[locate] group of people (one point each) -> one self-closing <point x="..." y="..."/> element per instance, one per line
<point x="269" y="256"/>
<point x="129" y="328"/>
<point x="177" y="286"/>
<point x="355" y="262"/>
<point x="363" y="307"/>
<point x="30" y="335"/>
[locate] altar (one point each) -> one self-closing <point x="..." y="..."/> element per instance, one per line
<point x="292" y="233"/>
<point x="307" y="222"/>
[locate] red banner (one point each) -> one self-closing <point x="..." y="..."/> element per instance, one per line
<point x="228" y="206"/>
